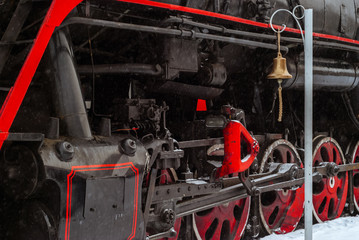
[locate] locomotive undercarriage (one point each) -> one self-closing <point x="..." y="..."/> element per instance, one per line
<point x="135" y="112"/>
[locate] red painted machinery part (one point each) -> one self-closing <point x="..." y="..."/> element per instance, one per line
<point x="201" y="105"/>
<point x="235" y="134"/>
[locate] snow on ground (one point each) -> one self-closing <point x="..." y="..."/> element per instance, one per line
<point x="343" y="228"/>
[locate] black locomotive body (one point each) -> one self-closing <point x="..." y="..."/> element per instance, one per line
<point x="156" y="120"/>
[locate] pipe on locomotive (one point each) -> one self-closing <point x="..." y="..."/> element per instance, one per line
<point x="69" y="102"/>
<point x="133" y="68"/>
<point x="171" y="32"/>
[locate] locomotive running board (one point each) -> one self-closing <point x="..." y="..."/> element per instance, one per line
<point x="57" y="12"/>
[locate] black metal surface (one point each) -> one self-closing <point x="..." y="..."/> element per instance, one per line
<point x="180" y="55"/>
<point x="340" y="13"/>
<point x="53" y="128"/>
<point x="168" y="234"/>
<point x="351" y="107"/>
<point x="199" y="204"/>
<point x="182" y="190"/>
<point x="101" y="198"/>
<point x="328" y="75"/>
<point x="188" y="90"/>
<point x="13" y="30"/>
<point x="331" y="169"/>
<point x="348" y="167"/>
<point x="150" y="192"/>
<point x="145" y="69"/>
<point x="20" y="171"/>
<point x="35" y="221"/>
<point x="25" y="137"/>
<point x="200" y="143"/>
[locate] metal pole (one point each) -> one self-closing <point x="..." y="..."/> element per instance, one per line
<point x="308" y="124"/>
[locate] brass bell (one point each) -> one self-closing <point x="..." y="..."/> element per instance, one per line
<point x="280" y="70"/>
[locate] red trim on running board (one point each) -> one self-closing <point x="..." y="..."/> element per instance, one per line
<point x="102" y="167"/>
<point x="57" y="12"/>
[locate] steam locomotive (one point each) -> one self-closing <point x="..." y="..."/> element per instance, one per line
<point x="140" y="119"/>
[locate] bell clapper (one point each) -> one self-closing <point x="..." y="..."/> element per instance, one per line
<point x="280" y="99"/>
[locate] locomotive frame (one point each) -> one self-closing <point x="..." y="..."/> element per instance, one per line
<point x="138" y="173"/>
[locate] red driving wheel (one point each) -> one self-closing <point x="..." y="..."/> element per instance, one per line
<point x="281" y="210"/>
<point x="225" y="222"/>
<point x="353" y="152"/>
<point x="329" y="195"/>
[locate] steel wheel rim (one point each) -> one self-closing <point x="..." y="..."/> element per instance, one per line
<point x="329" y="195"/>
<point x="353" y="152"/>
<point x="282" y="213"/>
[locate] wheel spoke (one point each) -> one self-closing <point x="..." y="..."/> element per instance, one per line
<point x="356" y="186"/>
<point x="330" y="151"/>
<point x="318" y="199"/>
<point x="278" y="214"/>
<point x="338" y="159"/>
<point x="290" y="157"/>
<point x="335" y="204"/>
<point x="340" y="181"/>
<point x="283" y="155"/>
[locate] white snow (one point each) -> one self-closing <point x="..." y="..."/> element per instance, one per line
<point x="343" y="228"/>
<point x="195" y="181"/>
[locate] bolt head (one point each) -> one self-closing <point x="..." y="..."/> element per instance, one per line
<point x="128" y="146"/>
<point x="65" y="151"/>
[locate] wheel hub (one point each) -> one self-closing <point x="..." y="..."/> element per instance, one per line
<point x="284" y="195"/>
<point x="285" y="192"/>
<point x="331" y="183"/>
